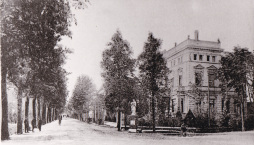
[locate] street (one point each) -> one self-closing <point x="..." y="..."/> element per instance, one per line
<point x="74" y="132"/>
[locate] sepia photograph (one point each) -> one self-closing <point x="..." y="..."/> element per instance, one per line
<point x="127" y="72"/>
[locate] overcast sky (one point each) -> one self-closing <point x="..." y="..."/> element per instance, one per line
<point x="232" y="21"/>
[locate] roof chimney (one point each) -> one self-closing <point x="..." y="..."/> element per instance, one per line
<point x="196" y="34"/>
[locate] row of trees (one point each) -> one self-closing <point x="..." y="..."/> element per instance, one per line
<point x="122" y="86"/>
<point x="237" y="73"/>
<point x="82" y="96"/>
<point x="31" y="58"/>
<point x="86" y="100"/>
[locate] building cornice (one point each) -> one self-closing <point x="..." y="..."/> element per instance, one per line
<point x="193" y="45"/>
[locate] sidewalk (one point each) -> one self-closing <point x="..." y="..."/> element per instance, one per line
<point x="48" y="132"/>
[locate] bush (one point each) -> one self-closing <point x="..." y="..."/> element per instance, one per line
<point x="144" y="122"/>
<point x="99" y="121"/>
<point x="225" y="120"/>
<point x="190" y="119"/>
<point x="174" y="122"/>
<point x="235" y="122"/>
<point x="89" y="120"/>
<point x="110" y="119"/>
<point x="163" y="121"/>
<point x="201" y="121"/>
<point x="249" y="122"/>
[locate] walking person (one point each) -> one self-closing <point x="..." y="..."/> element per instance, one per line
<point x="33" y="122"/>
<point x="183" y="130"/>
<point x="26" y="126"/>
<point x="39" y="124"/>
<point x="60" y="119"/>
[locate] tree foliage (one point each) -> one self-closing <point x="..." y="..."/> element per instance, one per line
<point x="118" y="67"/>
<point x="31" y="30"/>
<point x="153" y="73"/>
<point x="237" y="72"/>
<point x="82" y="95"/>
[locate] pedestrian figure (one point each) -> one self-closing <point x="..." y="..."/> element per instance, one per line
<point x="26" y="126"/>
<point x="60" y="119"/>
<point x="39" y="124"/>
<point x="183" y="130"/>
<point x="33" y="124"/>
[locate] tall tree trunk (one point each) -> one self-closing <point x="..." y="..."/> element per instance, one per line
<point x="19" y="124"/>
<point x="34" y="108"/>
<point x="52" y="114"/>
<point x="242" y="116"/>
<point x="98" y="117"/>
<point x="49" y="114"/>
<point x="103" y="116"/>
<point x="4" y="128"/>
<point x="169" y="107"/>
<point x="47" y="111"/>
<point x="94" y="113"/>
<point x="27" y="108"/>
<point x="242" y="108"/>
<point x="119" y="120"/>
<point x="39" y="108"/>
<point x="125" y="122"/>
<point x="56" y="114"/>
<point x="44" y="113"/>
<point x="86" y="116"/>
<point x="153" y="109"/>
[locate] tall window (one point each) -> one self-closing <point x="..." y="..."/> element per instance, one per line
<point x="208" y="58"/>
<point x="200" y="57"/>
<point x="212" y="103"/>
<point x="213" y="58"/>
<point x="180" y="80"/>
<point x="198" y="78"/>
<point x="236" y="107"/>
<point x="222" y="105"/>
<point x="228" y="106"/>
<point x="195" y="56"/>
<point x="172" y="83"/>
<point x="173" y="105"/>
<point x="198" y="106"/>
<point x="182" y="103"/>
<point x="211" y="77"/>
<point x="179" y="61"/>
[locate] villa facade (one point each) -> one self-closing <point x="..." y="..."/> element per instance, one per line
<point x="193" y="64"/>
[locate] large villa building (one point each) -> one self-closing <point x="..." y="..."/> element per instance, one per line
<point x="193" y="64"/>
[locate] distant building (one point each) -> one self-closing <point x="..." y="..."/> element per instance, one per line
<point x="193" y="64"/>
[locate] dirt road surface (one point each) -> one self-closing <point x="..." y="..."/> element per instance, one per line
<point x="74" y="132"/>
